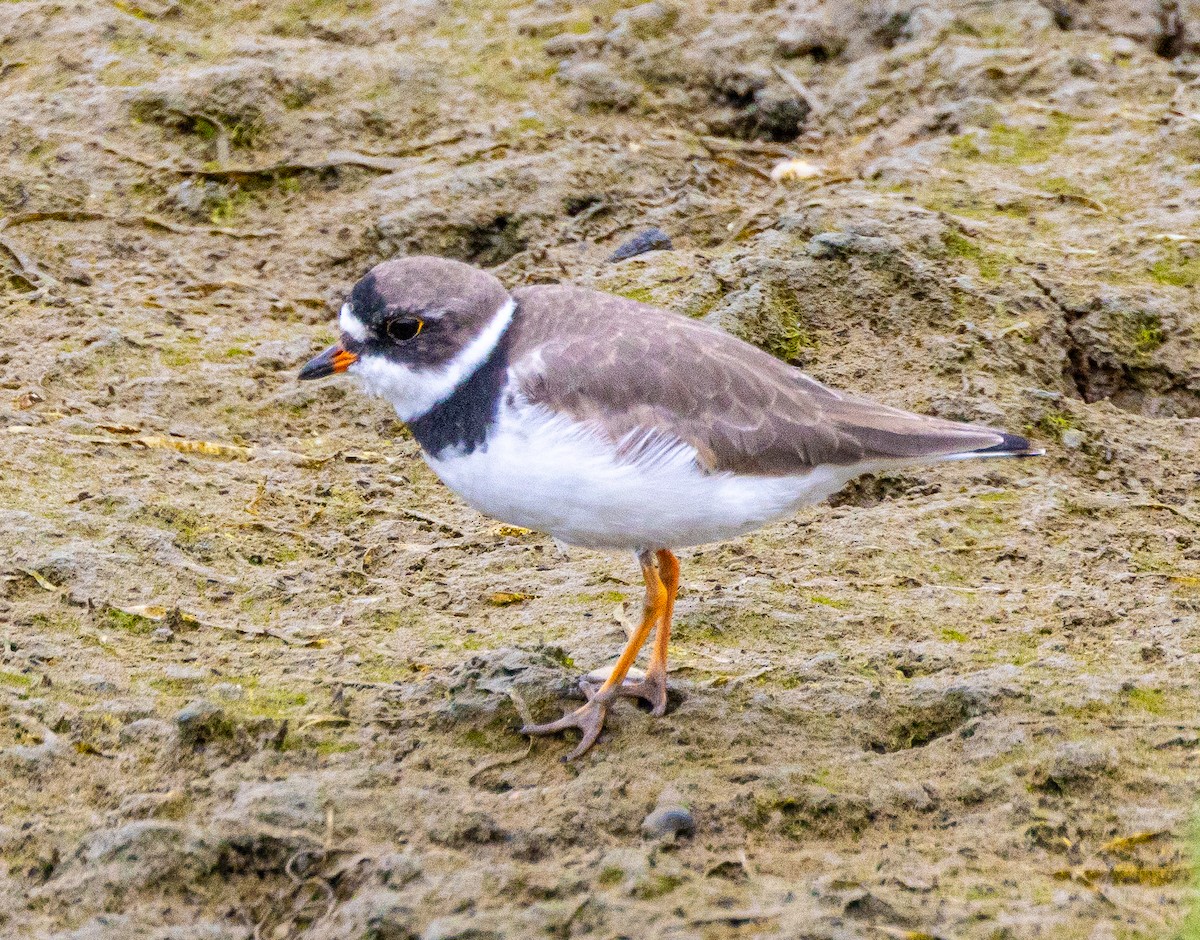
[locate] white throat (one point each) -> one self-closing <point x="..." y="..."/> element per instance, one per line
<point x="413" y="392"/>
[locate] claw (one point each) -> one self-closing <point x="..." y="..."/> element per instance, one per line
<point x="656" y="612"/>
<point x="651" y="689"/>
<point x="589" y="719"/>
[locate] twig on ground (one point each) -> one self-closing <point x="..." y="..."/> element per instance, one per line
<point x="433" y="521"/>
<point x="741" y="165"/>
<point x="793" y="82"/>
<point x="1169" y="508"/>
<point x="735" y="918"/>
<point x="502" y="761"/>
<point x="150" y="221"/>
<point x="745" y="146"/>
<point x="522" y="707"/>
<point x="328" y="161"/>
<point x="30" y="269"/>
<point x="749" y="676"/>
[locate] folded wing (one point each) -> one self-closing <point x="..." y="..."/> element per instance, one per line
<point x="643" y="377"/>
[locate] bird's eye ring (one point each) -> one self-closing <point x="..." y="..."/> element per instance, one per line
<point x="404" y="329"/>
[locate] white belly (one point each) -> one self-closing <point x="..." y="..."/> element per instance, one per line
<point x="546" y="473"/>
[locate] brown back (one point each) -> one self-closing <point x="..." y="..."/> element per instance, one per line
<point x="638" y="374"/>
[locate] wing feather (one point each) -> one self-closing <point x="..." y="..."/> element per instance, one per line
<point x="645" y="378"/>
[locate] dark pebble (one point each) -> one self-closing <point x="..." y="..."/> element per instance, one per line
<point x="653" y="239"/>
<point x="669" y="821"/>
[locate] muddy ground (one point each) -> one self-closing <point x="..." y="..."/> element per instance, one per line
<point x="261" y="672"/>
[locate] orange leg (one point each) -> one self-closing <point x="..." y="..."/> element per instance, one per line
<point x="589" y="718"/>
<point x="653" y="687"/>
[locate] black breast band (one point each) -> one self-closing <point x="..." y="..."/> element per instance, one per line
<point x="462" y="421"/>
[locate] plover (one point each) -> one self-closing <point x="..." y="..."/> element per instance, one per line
<point x="613" y="424"/>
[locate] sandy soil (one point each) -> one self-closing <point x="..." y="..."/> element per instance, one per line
<point x="261" y="674"/>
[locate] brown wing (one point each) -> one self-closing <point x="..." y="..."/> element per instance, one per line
<point x="639" y="374"/>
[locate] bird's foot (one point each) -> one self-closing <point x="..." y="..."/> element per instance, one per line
<point x="589" y="719"/>
<point x="650" y="688"/>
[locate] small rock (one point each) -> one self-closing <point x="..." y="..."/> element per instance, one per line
<point x="1075" y="764"/>
<point x="467" y="828"/>
<point x="647" y="20"/>
<point x="669" y="821"/>
<point x="652" y="239"/>
<point x="135" y="855"/>
<point x="863" y="905"/>
<point x="184" y="673"/>
<point x="58" y="568"/>
<point x="599" y="86"/>
<point x="829" y="244"/>
<point x="200" y="722"/>
<point x="833" y="244"/>
<point x="1073" y="438"/>
<point x="78" y="273"/>
<point x="779" y="113"/>
<point x="198" y="197"/>
<point x="163" y="635"/>
<point x="569" y="44"/>
<point x="396" y="869"/>
<point x="147" y="729"/>
<point x="670" y="817"/>
<point x="787" y="171"/>
<point x="812" y="36"/>
<point x="1123" y="47"/>
<point x="292" y="803"/>
<point x="97" y="683"/>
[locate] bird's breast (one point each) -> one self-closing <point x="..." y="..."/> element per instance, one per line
<point x="553" y="474"/>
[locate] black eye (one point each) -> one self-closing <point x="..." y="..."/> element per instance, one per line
<point x="404" y="329"/>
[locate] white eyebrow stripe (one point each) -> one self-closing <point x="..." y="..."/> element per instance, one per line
<point x="351" y="325"/>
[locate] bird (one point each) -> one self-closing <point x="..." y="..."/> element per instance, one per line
<point x="613" y="424"/>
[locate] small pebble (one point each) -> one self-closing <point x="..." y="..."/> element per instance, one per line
<point x="669" y="821"/>
<point x="652" y="239"/>
<point x="828" y="244"/>
<point x="1123" y="47"/>
<point x="201" y="721"/>
<point x="98" y="683"/>
<point x="1073" y="438"/>
<point x="163" y="635"/>
<point x="598" y="86"/>
<point x="788" y="171"/>
<point x="647" y="20"/>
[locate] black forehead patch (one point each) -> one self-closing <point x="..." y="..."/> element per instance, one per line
<point x="366" y="301"/>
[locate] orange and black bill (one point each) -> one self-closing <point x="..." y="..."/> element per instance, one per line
<point x="336" y="358"/>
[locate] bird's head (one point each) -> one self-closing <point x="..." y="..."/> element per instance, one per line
<point x="414" y="329"/>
